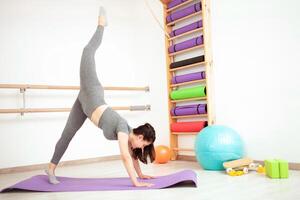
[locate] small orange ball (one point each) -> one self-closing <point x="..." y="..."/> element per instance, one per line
<point x="162" y="154"/>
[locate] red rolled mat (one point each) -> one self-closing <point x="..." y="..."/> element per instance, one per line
<point x="188" y="126"/>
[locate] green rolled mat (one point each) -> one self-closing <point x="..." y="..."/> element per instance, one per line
<point x="186" y="93"/>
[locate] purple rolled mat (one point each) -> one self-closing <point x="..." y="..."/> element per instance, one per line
<point x="40" y="183"/>
<point x="184" y="12"/>
<point x="175" y="3"/>
<point x="186" y="28"/>
<point x="189" y="110"/>
<point x="186" y="44"/>
<point x="188" y="77"/>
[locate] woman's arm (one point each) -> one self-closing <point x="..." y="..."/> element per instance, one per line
<point x="136" y="163"/>
<point x="127" y="160"/>
<point x="137" y="167"/>
<point x="138" y="170"/>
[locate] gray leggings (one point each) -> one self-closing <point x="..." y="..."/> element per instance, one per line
<point x="91" y="95"/>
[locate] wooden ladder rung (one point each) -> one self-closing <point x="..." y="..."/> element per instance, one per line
<point x="188" y="116"/>
<point x="183" y="149"/>
<point x="186" y="17"/>
<point x="191" y="99"/>
<point x="188" y="83"/>
<point x="184" y="34"/>
<point x="188" y="66"/>
<point x="184" y="133"/>
<point x="179" y="6"/>
<point x="186" y="50"/>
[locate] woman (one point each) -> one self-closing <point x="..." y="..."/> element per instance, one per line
<point x="134" y="143"/>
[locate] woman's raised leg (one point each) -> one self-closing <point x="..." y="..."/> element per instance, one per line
<point x="91" y="93"/>
<point x="88" y="75"/>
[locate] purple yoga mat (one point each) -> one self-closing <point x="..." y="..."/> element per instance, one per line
<point x="40" y="183"/>
<point x="189" y="110"/>
<point x="175" y="3"/>
<point x="188" y="77"/>
<point x="186" y="28"/>
<point x="184" y="12"/>
<point x="186" y="44"/>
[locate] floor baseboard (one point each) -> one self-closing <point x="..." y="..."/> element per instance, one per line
<point x="292" y="166"/>
<point x="186" y="158"/>
<point x="63" y="163"/>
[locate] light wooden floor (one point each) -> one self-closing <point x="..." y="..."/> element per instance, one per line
<point x="211" y="184"/>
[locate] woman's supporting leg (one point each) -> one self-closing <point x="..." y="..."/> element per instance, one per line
<point x="74" y="122"/>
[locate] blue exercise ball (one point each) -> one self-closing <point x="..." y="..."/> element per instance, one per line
<point x="217" y="144"/>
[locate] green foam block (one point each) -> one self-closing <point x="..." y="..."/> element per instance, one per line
<point x="277" y="168"/>
<point x="283" y="169"/>
<point x="193" y="92"/>
<point x="272" y="168"/>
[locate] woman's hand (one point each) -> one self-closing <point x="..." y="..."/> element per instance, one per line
<point x="145" y="176"/>
<point x="143" y="184"/>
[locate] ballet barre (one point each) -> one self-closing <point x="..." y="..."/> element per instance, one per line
<point x="24" y="87"/>
<point x="38" y="110"/>
<point x="63" y="87"/>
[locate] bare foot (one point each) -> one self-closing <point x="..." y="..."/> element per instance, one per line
<point x="102" y="21"/>
<point x="51" y="174"/>
<point x="52" y="178"/>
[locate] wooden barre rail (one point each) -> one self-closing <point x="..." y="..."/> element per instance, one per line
<point x="62" y="87"/>
<point x="24" y="87"/>
<point x="38" y="110"/>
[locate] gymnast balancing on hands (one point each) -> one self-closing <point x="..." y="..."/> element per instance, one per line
<point x="135" y="144"/>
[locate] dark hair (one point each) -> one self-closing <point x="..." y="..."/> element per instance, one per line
<point x="149" y="135"/>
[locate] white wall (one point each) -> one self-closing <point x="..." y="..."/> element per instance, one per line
<point x="41" y="43"/>
<point x="256" y="62"/>
<point x="255" y="48"/>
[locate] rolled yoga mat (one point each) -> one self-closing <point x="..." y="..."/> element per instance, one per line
<point x="184" y="12"/>
<point x="188" y="77"/>
<point x="186" y="28"/>
<point x="188" y="126"/>
<point x="40" y="183"/>
<point x="186" y="93"/>
<point x="175" y="3"/>
<point x="186" y="44"/>
<point x="189" y="110"/>
<point x="187" y="62"/>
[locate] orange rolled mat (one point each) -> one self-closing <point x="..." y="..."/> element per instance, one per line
<point x="188" y="126"/>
